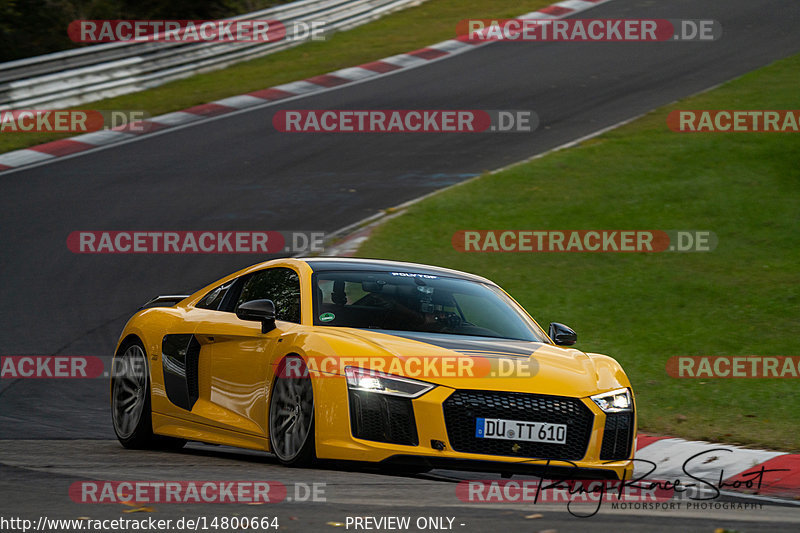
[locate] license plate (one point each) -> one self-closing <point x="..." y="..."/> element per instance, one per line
<point x="497" y="428"/>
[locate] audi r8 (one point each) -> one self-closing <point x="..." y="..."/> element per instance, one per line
<point x="365" y="360"/>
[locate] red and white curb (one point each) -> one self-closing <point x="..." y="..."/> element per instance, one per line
<point x="715" y="463"/>
<point x="44" y="153"/>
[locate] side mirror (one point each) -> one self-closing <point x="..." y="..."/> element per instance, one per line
<point x="562" y="335"/>
<point x="258" y="311"/>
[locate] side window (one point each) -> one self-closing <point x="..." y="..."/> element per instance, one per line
<point x="214" y="297"/>
<point x="281" y="285"/>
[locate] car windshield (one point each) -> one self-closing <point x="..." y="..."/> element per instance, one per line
<point x="419" y="302"/>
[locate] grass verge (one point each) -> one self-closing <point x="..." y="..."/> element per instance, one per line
<point x="741" y="299"/>
<point x="404" y="31"/>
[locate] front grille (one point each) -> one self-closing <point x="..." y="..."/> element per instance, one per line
<point x="382" y="418"/>
<point x="617" y="436"/>
<point x="464" y="406"/>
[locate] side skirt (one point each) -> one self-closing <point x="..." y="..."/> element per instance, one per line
<point x="193" y="431"/>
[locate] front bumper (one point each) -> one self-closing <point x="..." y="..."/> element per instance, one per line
<point x="335" y="440"/>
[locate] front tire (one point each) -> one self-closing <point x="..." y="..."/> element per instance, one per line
<point x="130" y="401"/>
<point x="291" y="414"/>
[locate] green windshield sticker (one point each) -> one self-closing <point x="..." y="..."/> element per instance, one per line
<point x="326" y="317"/>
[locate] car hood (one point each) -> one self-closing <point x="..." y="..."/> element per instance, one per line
<point x="497" y="364"/>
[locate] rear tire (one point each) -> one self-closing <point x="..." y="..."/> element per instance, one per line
<point x="291" y="415"/>
<point x="131" y="412"/>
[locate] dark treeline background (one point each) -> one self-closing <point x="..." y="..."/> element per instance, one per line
<point x="35" y="27"/>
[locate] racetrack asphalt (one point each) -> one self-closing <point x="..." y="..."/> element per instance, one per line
<point x="36" y="475"/>
<point x="237" y="172"/>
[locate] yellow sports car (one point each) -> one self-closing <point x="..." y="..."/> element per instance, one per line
<point x="350" y="359"/>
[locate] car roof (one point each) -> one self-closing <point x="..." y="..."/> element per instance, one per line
<point x="326" y="264"/>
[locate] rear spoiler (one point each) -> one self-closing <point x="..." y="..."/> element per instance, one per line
<point x="168" y="300"/>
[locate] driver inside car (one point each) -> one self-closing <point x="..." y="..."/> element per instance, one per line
<point x="415" y="313"/>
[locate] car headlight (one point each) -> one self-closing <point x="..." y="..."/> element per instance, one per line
<point x="615" y="401"/>
<point x="373" y="381"/>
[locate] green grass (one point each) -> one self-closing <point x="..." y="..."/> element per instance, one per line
<point x="740" y="299"/>
<point x="404" y="31"/>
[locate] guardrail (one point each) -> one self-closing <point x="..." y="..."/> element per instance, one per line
<point x="72" y="77"/>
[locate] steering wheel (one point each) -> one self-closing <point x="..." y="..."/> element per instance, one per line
<point x="448" y="320"/>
